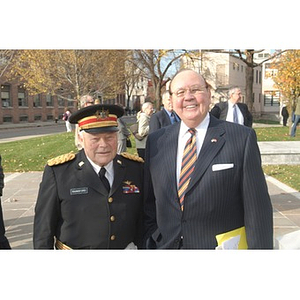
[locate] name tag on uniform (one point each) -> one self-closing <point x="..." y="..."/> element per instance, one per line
<point x="79" y="191"/>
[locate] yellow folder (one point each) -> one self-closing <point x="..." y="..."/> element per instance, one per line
<point x="235" y="239"/>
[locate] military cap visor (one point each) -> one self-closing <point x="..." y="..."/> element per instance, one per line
<point x="97" y="118"/>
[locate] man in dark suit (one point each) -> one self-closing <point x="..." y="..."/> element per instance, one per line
<point x="226" y="188"/>
<point x="225" y="110"/>
<point x="4" y="244"/>
<point x="164" y="117"/>
<point x="91" y="200"/>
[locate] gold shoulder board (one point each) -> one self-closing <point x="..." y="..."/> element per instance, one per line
<point x="61" y="159"/>
<point x="132" y="157"/>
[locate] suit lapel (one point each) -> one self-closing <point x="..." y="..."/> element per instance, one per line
<point x="171" y="144"/>
<point x="165" y="119"/>
<point x="212" y="144"/>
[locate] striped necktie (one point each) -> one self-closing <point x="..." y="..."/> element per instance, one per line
<point x="104" y="179"/>
<point x="187" y="166"/>
<point x="235" y="116"/>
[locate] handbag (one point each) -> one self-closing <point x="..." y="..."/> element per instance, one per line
<point x="134" y="129"/>
<point x="128" y="143"/>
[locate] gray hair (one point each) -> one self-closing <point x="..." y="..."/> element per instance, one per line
<point x="232" y="90"/>
<point x="146" y="105"/>
<point x="84" y="100"/>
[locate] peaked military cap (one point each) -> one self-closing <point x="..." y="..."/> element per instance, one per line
<point x="97" y="118"/>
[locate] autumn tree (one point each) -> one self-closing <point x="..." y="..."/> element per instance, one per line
<point x="247" y="57"/>
<point x="132" y="76"/>
<point x="6" y="57"/>
<point x="70" y="74"/>
<point x="287" y="79"/>
<point x="155" y="65"/>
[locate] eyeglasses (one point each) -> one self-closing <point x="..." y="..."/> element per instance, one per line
<point x="194" y="90"/>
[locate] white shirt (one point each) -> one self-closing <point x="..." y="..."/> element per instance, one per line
<point x="109" y="170"/>
<point x="184" y="135"/>
<point x="229" y="117"/>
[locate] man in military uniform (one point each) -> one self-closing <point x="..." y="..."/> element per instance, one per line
<point x="79" y="209"/>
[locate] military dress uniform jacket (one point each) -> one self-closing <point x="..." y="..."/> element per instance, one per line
<point x="227" y="190"/>
<point x="74" y="207"/>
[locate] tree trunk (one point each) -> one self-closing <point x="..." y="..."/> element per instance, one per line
<point x="249" y="80"/>
<point x="158" y="96"/>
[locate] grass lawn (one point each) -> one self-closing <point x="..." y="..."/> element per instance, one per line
<point x="33" y="154"/>
<point x="288" y="174"/>
<point x="276" y="134"/>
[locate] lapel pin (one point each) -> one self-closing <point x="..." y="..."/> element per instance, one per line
<point x="81" y="164"/>
<point x="119" y="162"/>
<point x="213" y="140"/>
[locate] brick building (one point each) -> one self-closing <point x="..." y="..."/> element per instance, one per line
<point x="18" y="106"/>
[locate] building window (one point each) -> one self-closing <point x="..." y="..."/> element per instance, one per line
<point x="23" y="118"/>
<point x="5" y="95"/>
<point x="61" y="101"/>
<point x="37" y="100"/>
<point x="22" y="99"/>
<point x="7" y="119"/>
<point x="269" y="71"/>
<point x="37" y="118"/>
<point x="271" y="98"/>
<point x="49" y="100"/>
<point x="259" y="77"/>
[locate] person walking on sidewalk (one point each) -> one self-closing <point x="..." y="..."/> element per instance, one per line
<point x="92" y="199"/>
<point x="4" y="244"/>
<point x="296" y="118"/>
<point x="66" y="116"/>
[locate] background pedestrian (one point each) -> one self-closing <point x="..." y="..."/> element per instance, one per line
<point x="143" y="119"/>
<point x="233" y="110"/>
<point x="166" y="116"/>
<point x="65" y="117"/>
<point x="296" y="118"/>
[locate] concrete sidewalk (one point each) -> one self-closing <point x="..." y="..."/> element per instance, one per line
<point x="274" y="153"/>
<point x="20" y="193"/>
